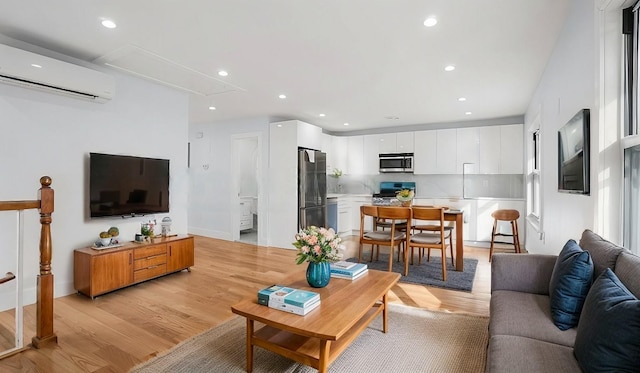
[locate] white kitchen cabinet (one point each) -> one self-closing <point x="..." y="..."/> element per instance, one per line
<point x="339" y="146"/>
<point x="435" y="152"/>
<point x="489" y="152"/>
<point x="355" y="155"/>
<point x="327" y="148"/>
<point x="511" y="149"/>
<point x="424" y="156"/>
<point x="356" y="202"/>
<point x="344" y="216"/>
<point x="371" y="154"/>
<point x="467" y="149"/>
<point x="404" y="142"/>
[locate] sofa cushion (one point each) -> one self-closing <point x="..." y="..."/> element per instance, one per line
<point x="526" y="315"/>
<point x="603" y="253"/>
<point x="507" y="353"/>
<point x="608" y="335"/>
<point x="569" y="284"/>
<point x="628" y="271"/>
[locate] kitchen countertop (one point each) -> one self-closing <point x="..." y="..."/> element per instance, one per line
<point x="336" y="195"/>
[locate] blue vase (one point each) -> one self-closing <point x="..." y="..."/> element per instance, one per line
<point x="318" y="274"/>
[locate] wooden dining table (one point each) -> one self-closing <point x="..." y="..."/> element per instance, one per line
<point x="456" y="216"/>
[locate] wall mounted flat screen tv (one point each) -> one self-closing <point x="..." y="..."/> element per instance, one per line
<point x="573" y="154"/>
<point x="121" y="185"/>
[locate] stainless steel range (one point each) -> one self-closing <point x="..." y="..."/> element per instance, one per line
<point x="388" y="190"/>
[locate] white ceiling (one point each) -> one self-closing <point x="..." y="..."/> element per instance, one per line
<point x="371" y="63"/>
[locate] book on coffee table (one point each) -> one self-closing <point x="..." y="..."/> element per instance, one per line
<point x="350" y="277"/>
<point x="352" y="272"/>
<point x="294" y="309"/>
<point x="278" y="294"/>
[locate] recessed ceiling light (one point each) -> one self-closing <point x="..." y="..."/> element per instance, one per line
<point x="36" y="65"/>
<point x="212" y="108"/>
<point x="279" y="125"/>
<point x="449" y="68"/>
<point x="108" y="23"/>
<point x="462" y="99"/>
<point x="321" y="115"/>
<point x="346" y="124"/>
<point x="467" y="113"/>
<point x="223" y="73"/>
<point x="282" y="96"/>
<point x="430" y="21"/>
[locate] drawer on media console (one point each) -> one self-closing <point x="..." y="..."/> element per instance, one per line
<point x="149" y="261"/>
<point x="151" y="250"/>
<point x="149" y="272"/>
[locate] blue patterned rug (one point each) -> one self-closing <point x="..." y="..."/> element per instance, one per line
<point x="428" y="273"/>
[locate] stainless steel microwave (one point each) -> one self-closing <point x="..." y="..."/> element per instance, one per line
<point x="396" y="162"/>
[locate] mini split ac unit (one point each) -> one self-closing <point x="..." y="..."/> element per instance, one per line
<point x="19" y="67"/>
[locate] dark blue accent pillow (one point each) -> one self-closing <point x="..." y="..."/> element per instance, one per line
<point x="608" y="335"/>
<point x="569" y="285"/>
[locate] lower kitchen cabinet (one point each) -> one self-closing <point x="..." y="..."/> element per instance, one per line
<point x="100" y="271"/>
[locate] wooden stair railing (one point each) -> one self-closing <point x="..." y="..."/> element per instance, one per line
<point x="44" y="297"/>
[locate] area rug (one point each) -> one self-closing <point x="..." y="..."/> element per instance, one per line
<point x="428" y="273"/>
<point x="417" y="341"/>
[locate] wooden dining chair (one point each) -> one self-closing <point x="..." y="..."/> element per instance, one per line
<point x="434" y="227"/>
<point x="397" y="236"/>
<point x="432" y="239"/>
<point x="392" y="238"/>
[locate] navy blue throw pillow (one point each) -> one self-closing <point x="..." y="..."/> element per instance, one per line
<point x="569" y="285"/>
<point x="608" y="335"/>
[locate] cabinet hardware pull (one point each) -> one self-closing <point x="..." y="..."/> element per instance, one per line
<point x="130" y="257"/>
<point x="10" y="276"/>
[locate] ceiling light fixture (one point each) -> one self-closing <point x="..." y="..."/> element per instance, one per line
<point x="223" y="73"/>
<point x="36" y="65"/>
<point x="321" y="115"/>
<point x="108" y="23"/>
<point x="467" y="113"/>
<point x="346" y="124"/>
<point x="449" y="68"/>
<point x="430" y="21"/>
<point x="282" y="96"/>
<point x="212" y="108"/>
<point x="462" y="99"/>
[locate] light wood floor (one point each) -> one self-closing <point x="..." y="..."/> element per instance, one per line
<point x="116" y="331"/>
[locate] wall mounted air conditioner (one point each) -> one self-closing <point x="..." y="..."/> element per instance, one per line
<point x="19" y="67"/>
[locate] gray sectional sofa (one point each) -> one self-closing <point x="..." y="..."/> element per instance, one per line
<point x="522" y="335"/>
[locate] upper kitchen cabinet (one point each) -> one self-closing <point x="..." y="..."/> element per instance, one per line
<point x="355" y="155"/>
<point x="467" y="150"/>
<point x="404" y="142"/>
<point x="327" y="148"/>
<point x="511" y="149"/>
<point x="371" y="152"/>
<point x="435" y="152"/>
<point x="339" y="149"/>
<point x="489" y="146"/>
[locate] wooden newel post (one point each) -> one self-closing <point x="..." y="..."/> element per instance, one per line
<point x="44" y="297"/>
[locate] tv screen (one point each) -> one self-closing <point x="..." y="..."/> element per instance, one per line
<point x="121" y="185"/>
<point x="573" y="154"/>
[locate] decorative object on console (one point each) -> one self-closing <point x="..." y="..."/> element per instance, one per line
<point x="105" y="238"/>
<point x="319" y="247"/>
<point x="166" y="226"/>
<point x="405" y="196"/>
<point x="147" y="229"/>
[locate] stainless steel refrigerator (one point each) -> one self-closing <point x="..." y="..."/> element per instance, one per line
<point x="312" y="188"/>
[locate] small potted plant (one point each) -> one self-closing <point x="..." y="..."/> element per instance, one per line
<point x="405" y="196"/>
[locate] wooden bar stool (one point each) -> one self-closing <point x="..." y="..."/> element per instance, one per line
<point x="512" y="217"/>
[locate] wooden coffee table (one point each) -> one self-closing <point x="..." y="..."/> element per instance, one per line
<point x="317" y="339"/>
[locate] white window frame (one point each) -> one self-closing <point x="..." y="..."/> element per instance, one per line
<point x="534" y="175"/>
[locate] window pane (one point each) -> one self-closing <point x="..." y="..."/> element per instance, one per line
<point x="632" y="198"/>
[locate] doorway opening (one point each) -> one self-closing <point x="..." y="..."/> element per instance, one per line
<point x="246" y="192"/>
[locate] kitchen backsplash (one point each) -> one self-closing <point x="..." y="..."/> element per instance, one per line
<point x="435" y="186"/>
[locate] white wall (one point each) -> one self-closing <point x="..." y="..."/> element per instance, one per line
<point x="210" y="176"/>
<point x="575" y="78"/>
<point x="47" y="134"/>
